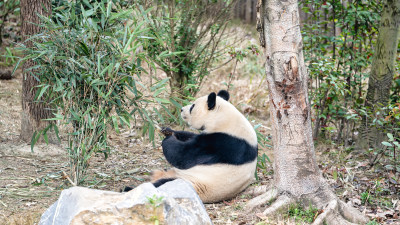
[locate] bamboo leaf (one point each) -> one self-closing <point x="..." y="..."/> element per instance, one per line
<point x="35" y="138"/>
<point x="42" y="90"/>
<point x="114" y="119"/>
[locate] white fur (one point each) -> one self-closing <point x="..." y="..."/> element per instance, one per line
<point x="215" y="183"/>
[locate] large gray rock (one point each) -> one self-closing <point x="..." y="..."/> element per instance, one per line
<point x="175" y="202"/>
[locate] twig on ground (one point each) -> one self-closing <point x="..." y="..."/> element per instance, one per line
<point x="16" y="178"/>
<point x="67" y="177"/>
<point x="3" y="204"/>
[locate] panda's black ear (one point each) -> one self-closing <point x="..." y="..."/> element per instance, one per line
<point x="223" y="94"/>
<point x="212" y="97"/>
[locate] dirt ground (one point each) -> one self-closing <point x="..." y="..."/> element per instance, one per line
<point x="31" y="181"/>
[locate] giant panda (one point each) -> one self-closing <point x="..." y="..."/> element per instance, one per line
<point x="220" y="161"/>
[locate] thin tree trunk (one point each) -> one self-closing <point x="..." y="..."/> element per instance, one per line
<point x="296" y="173"/>
<point x="381" y="76"/>
<point x="32" y="112"/>
<point x="296" y="170"/>
<point x="248" y="11"/>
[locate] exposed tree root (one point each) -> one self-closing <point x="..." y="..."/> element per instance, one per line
<point x="281" y="201"/>
<point x="351" y="213"/>
<point x="257" y="190"/>
<point x="334" y="213"/>
<point x="328" y="211"/>
<point x="262" y="199"/>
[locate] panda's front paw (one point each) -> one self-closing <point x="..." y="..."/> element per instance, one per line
<point x="167" y="131"/>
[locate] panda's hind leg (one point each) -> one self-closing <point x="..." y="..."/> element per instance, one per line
<point x="162" y="174"/>
<point x="160" y="182"/>
<point x="160" y="177"/>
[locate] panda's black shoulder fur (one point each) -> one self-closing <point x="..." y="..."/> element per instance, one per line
<point x="184" y="150"/>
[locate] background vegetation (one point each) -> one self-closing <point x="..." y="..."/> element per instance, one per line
<point x="339" y="41"/>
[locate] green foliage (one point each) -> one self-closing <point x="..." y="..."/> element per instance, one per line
<point x="7" y="7"/>
<point x="86" y="71"/>
<point x="338" y="61"/>
<point x="395" y="95"/>
<point x="375" y="195"/>
<point x="386" y="119"/>
<point x="365" y="197"/>
<point x="238" y="55"/>
<point x="392" y="145"/>
<point x="264" y="141"/>
<point x="9" y="57"/>
<point x="373" y="222"/>
<point x="262" y="162"/>
<point x="186" y="37"/>
<point x="300" y="214"/>
<point x="155" y="201"/>
<point x="338" y="45"/>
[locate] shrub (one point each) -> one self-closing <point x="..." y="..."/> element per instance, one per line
<point x="187" y="37"/>
<point x="86" y="62"/>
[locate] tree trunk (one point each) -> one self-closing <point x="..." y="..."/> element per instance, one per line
<point x="296" y="174"/>
<point x="296" y="170"/>
<point x="382" y="71"/>
<point x="248" y="11"/>
<point x="32" y="112"/>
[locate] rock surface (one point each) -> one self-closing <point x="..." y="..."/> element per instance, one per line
<point x="175" y="202"/>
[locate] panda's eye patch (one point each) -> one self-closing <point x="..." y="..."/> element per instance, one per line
<point x="191" y="108"/>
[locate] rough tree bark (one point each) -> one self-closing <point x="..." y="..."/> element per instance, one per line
<point x="297" y="177"/>
<point x="382" y="71"/>
<point x="32" y="112"/>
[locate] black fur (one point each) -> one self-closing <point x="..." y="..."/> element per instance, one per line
<point x="162" y="181"/>
<point x="126" y="189"/>
<point x="184" y="150"/>
<point x="211" y="100"/>
<point x="184" y="135"/>
<point x="223" y="94"/>
<point x="191" y="108"/>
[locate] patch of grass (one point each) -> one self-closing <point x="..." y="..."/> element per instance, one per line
<point x="302" y="214"/>
<point x="373" y="222"/>
<point x="365" y="197"/>
<point x="262" y="165"/>
<point x="8" y="57"/>
<point x="155" y="203"/>
<point x="238" y="206"/>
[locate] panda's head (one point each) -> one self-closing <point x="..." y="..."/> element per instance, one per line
<point x="213" y="113"/>
<point x="205" y="110"/>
